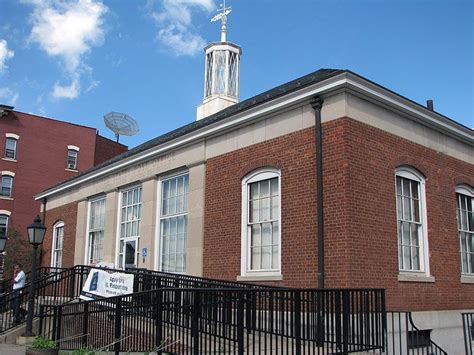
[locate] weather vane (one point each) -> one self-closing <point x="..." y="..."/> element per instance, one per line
<point x="223" y="11"/>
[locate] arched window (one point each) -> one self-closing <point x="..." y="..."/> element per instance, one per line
<point x="4" y="216"/>
<point x="57" y="250"/>
<point x="465" y="217"/>
<point x="411" y="221"/>
<point x="10" y="145"/>
<point x="72" y="155"/>
<point x="261" y="223"/>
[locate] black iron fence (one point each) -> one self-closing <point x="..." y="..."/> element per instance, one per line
<point x="468" y="329"/>
<point x="404" y="338"/>
<point x="223" y="320"/>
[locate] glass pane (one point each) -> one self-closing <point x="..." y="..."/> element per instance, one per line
<point x="406" y="187"/>
<point x="266" y="257"/>
<point x="414" y="189"/>
<point x="274" y="215"/>
<point x="264" y="188"/>
<point x="165" y="189"/>
<point x="416" y="210"/>
<point x="254" y="211"/>
<point x="405" y="233"/>
<point x="416" y="258"/>
<point x="399" y="185"/>
<point x="265" y="209"/>
<point x="165" y="263"/>
<point x="173" y="226"/>
<point x="179" y="263"/>
<point x="172" y="205"/>
<point x="124" y="199"/>
<point x="130" y="253"/>
<point x="256" y="258"/>
<point x="256" y="239"/>
<point x="407" y="258"/>
<point x="415" y="236"/>
<point x="266" y="234"/>
<point x="254" y="191"/>
<point x="274" y="186"/>
<point x="406" y="209"/>
<point x="399" y="207"/>
<point x="276" y="234"/>
<point x="275" y="258"/>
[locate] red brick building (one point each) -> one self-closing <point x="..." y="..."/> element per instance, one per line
<point x="39" y="152"/>
<point x="236" y="196"/>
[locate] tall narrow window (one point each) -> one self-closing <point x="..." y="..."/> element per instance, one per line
<point x="261" y="223"/>
<point x="411" y="221"/>
<point x="130" y="214"/>
<point x="58" y="236"/>
<point x="72" y="159"/>
<point x="96" y="231"/>
<point x="3" y="224"/>
<point x="465" y="217"/>
<point x="7" y="185"/>
<point x="10" y="148"/>
<point x="174" y="222"/>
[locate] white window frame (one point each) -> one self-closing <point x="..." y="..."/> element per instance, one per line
<point x="87" y="255"/>
<point x="158" y="239"/>
<point x="469" y="192"/>
<point x="255" y="176"/>
<point x="59" y="224"/>
<point x="72" y="148"/>
<point x="12" y="176"/>
<point x="411" y="174"/>
<point x="6" y="214"/>
<point x="13" y="139"/>
<point x="135" y="238"/>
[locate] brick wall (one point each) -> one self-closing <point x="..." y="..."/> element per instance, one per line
<point x="106" y="149"/>
<point x="67" y="214"/>
<point x="360" y="213"/>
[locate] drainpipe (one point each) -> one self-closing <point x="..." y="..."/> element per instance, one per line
<point x="43" y="204"/>
<point x="317" y="104"/>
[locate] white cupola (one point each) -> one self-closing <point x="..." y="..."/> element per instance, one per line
<point x="222" y="69"/>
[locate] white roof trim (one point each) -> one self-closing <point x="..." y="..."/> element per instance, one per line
<point x="344" y="80"/>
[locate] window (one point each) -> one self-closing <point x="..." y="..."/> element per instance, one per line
<point x="411" y="221"/>
<point x="130" y="212"/>
<point x="173" y="223"/>
<point x="261" y="223"/>
<point x="10" y="148"/>
<point x="58" y="236"/>
<point x="7" y="185"/>
<point x="3" y="224"/>
<point x="465" y="217"/>
<point x="71" y="159"/>
<point x="96" y="231"/>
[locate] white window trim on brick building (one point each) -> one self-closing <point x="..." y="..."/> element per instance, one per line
<point x="95" y="231"/>
<point x="11" y="176"/>
<point x="128" y="237"/>
<point x="465" y="193"/>
<point x="57" y="248"/>
<point x="5" y="214"/>
<point x="247" y="272"/>
<point x="11" y="137"/>
<point x="75" y="150"/>
<point x="412" y="273"/>
<point x="175" y="216"/>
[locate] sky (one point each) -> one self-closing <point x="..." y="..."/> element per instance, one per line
<point x="76" y="60"/>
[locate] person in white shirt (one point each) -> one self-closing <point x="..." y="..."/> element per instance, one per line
<point x="18" y="284"/>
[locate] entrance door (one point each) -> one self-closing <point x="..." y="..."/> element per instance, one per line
<point x="131" y="253"/>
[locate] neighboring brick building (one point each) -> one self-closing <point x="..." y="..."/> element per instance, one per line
<point x="234" y="196"/>
<point x="39" y="152"/>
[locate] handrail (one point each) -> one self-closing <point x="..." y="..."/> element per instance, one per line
<point x="432" y="343"/>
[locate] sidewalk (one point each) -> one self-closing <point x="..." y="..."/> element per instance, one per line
<point x="12" y="349"/>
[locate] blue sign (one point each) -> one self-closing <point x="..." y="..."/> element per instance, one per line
<point x="144" y="252"/>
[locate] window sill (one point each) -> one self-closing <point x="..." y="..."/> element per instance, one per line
<point x="72" y="170"/>
<point x="412" y="277"/>
<point x="6" y="198"/>
<point x="260" y="278"/>
<point x="467" y="279"/>
<point x="8" y="159"/>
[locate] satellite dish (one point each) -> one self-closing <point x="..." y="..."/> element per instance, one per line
<point x="121" y="124"/>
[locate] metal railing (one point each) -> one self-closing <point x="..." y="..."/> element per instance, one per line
<point x="223" y="320"/>
<point x="468" y="330"/>
<point x="404" y="338"/>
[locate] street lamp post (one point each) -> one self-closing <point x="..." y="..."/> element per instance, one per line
<point x="36" y="232"/>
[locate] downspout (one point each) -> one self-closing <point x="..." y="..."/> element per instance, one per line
<point x="43" y="218"/>
<point x="317" y="104"/>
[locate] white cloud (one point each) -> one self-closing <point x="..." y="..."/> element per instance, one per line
<point x="176" y="30"/>
<point x="67" y="92"/>
<point x="68" y="30"/>
<point x="8" y="96"/>
<point x="5" y="54"/>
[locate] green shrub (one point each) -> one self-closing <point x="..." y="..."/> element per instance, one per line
<point x="41" y="342"/>
<point x="84" y="350"/>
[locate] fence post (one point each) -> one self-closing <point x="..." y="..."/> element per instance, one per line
<point x="85" y="324"/>
<point x="346" y="310"/>
<point x="298" y="321"/>
<point x="41" y="317"/>
<point x="159" y="319"/>
<point x="240" y="322"/>
<point x="118" y="325"/>
<point x="195" y="322"/>
<point x="58" y="324"/>
<point x="72" y="284"/>
<point x="55" y="321"/>
<point x="337" y="315"/>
